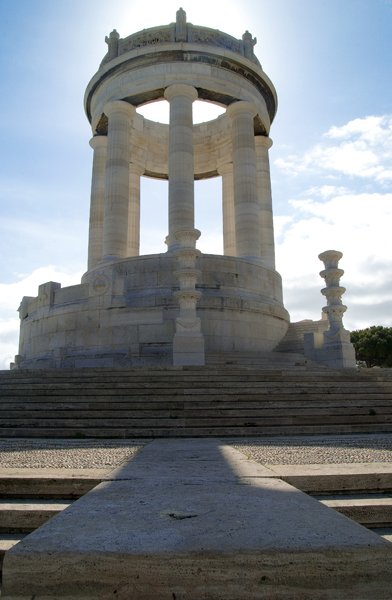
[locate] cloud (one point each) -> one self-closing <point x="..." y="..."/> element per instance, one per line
<point x="360" y="148"/>
<point x="359" y="226"/>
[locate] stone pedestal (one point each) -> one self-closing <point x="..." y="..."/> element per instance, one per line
<point x="188" y="342"/>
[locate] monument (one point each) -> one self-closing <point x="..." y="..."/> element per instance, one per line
<point x="177" y="307"/>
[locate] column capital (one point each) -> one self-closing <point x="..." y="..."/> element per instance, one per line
<point x="98" y="141"/>
<point x="225" y="168"/>
<point x="119" y="106"/>
<point x="180" y="89"/>
<point x="241" y="108"/>
<point x="263" y="141"/>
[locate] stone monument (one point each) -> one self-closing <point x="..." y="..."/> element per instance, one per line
<point x="178" y="307"/>
<point x="332" y="346"/>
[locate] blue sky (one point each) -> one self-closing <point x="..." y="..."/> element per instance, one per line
<point x="331" y="162"/>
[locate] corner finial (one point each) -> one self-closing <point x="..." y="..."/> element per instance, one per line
<point x="248" y="43"/>
<point x="181" y="28"/>
<point x="112" y="42"/>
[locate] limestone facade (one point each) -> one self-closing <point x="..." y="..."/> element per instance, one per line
<point x="175" y="307"/>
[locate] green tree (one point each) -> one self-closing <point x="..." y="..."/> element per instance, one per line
<point x="373" y="345"/>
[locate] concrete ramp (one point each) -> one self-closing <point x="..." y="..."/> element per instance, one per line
<point x="193" y="519"/>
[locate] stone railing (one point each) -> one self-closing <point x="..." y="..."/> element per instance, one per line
<point x="180" y="31"/>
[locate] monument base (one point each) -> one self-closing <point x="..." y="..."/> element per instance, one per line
<point x="334" y="351"/>
<point x="124" y="314"/>
<point x="188" y="349"/>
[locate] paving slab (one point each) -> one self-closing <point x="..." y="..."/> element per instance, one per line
<point x="194" y="519"/>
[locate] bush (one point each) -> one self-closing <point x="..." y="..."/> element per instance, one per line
<point x="373" y="345"/>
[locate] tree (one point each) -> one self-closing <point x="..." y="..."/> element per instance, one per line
<point x="373" y="345"/>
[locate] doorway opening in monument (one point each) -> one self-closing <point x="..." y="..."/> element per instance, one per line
<point x="154" y="195"/>
<point x="202" y="111"/>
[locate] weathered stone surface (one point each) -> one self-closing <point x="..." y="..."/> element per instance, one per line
<point x="194" y="519"/>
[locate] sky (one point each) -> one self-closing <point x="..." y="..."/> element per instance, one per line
<point x="331" y="161"/>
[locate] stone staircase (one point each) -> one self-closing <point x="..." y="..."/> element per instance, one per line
<point x="194" y="402"/>
<point x="361" y="492"/>
<point x="29" y="497"/>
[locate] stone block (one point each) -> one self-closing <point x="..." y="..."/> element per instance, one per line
<point x="191" y="519"/>
<point x="188" y="349"/>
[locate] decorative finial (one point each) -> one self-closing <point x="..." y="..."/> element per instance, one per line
<point x="112" y="42"/>
<point x="248" y="43"/>
<point x="181" y="28"/>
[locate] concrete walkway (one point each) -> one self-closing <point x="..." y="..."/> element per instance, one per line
<point x="195" y="519"/>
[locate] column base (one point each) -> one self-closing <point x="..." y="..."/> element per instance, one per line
<point x="335" y="352"/>
<point x="188" y="349"/>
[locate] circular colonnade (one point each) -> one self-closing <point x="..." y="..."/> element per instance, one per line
<point x="179" y="306"/>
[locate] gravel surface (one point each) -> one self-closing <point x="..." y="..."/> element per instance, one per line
<point x="100" y="454"/>
<point x="66" y="454"/>
<point x="317" y="450"/>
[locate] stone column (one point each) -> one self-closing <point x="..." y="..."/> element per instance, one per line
<point x="267" y="243"/>
<point x="246" y="203"/>
<point x="226" y="172"/>
<point x="133" y="246"/>
<point x="115" y="224"/>
<point x="332" y="347"/>
<point x="99" y="145"/>
<point x="181" y="166"/>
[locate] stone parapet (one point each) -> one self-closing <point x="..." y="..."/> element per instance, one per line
<point x="179" y="32"/>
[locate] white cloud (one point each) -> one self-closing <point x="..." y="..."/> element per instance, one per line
<point x="360" y="148"/>
<point x="359" y="226"/>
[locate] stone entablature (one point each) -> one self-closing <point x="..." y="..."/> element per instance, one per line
<point x="178" y="32"/>
<point x="222" y="68"/>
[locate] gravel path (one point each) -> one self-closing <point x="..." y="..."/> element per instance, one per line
<point x="99" y="454"/>
<point x="318" y="450"/>
<point x="66" y="454"/>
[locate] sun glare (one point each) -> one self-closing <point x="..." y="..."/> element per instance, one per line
<point x="159" y="111"/>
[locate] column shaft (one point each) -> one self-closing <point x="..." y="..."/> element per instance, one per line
<point x="267" y="243"/>
<point x="228" y="213"/>
<point x="99" y="145"/>
<point x="245" y="180"/>
<point x="181" y="164"/>
<point x="115" y="226"/>
<point x="133" y="246"/>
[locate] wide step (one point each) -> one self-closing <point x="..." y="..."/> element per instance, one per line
<point x="7" y="541"/>
<point x="26" y="515"/>
<point x="370" y="510"/>
<point x="48" y="483"/>
<point x="211" y="401"/>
